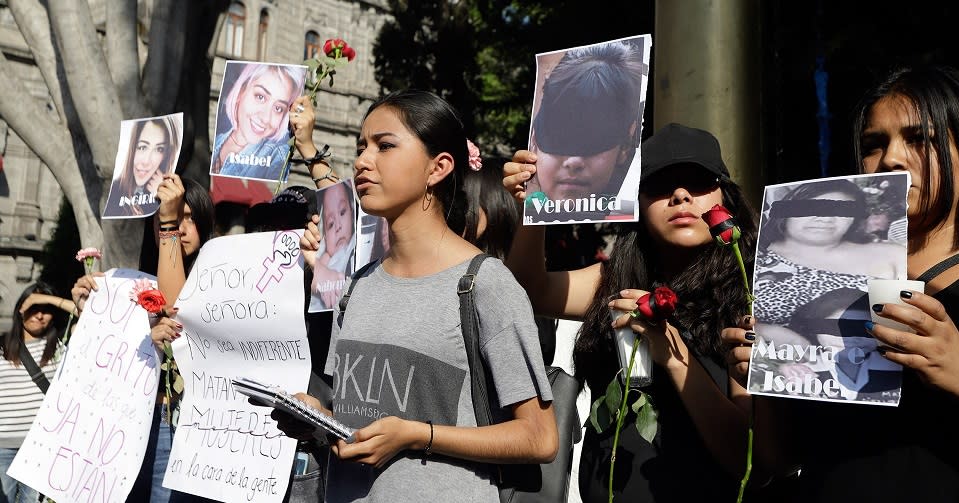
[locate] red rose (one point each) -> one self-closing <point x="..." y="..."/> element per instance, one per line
<point x="658" y="305"/>
<point x="152" y="300"/>
<point x="722" y="225"/>
<point x="349" y="53"/>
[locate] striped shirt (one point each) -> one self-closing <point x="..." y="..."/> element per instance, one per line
<point x="20" y="398"/>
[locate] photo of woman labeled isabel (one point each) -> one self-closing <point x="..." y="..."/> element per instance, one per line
<point x="149" y="149"/>
<point x="252" y="117"/>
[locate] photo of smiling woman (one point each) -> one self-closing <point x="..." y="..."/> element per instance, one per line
<point x="149" y="149"/>
<point x="587" y="123"/>
<point x="335" y="261"/>
<point x="252" y="118"/>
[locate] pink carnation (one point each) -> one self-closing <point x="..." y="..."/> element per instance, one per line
<point x="88" y="253"/>
<point x="141" y="285"/>
<point x="475" y="161"/>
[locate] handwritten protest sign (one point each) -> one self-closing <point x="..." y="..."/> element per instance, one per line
<point x="89" y="437"/>
<point x="242" y="313"/>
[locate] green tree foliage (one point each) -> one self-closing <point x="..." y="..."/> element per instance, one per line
<point x="58" y="261"/>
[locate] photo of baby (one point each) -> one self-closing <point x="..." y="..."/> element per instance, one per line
<point x="335" y="261"/>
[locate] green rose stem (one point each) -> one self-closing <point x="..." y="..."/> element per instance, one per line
<point x="752" y="411"/>
<point x="621" y="417"/>
<point x="327" y="72"/>
<point x="168" y="352"/>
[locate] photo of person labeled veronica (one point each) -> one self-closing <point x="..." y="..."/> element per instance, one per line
<point x="149" y="149"/>
<point x="335" y="260"/>
<point x="252" y="132"/>
<point x="587" y="122"/>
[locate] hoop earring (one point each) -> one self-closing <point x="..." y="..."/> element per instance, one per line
<point x="427" y="198"/>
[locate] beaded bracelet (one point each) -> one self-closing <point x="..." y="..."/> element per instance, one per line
<point x="173" y="236"/>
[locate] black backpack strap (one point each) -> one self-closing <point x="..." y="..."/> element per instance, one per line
<point x="33" y="369"/>
<point x="346" y="297"/>
<point x="939" y="268"/>
<point x="470" y="328"/>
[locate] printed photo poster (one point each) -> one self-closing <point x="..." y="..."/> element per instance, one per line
<point x="89" y="438"/>
<point x="373" y="239"/>
<point x="148" y="149"/>
<point x="252" y="119"/>
<point x="336" y="258"/>
<point x="588" y="107"/>
<point x="820" y="242"/>
<point x="242" y="315"/>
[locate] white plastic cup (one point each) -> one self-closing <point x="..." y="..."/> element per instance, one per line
<point x="886" y="291"/>
<point x="642" y="372"/>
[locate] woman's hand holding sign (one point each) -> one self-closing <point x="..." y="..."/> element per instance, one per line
<point x="933" y="351"/>
<point x="518" y="172"/>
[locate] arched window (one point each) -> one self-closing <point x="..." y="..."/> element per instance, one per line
<point x="261" y="37"/>
<point x="312" y="46"/>
<point x="232" y="41"/>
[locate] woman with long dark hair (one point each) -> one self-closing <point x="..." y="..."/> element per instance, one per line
<point x="908" y="122"/>
<point x="702" y="413"/>
<point x="151" y="153"/>
<point x="38" y="317"/>
<point x="423" y="444"/>
<point x="181" y="226"/>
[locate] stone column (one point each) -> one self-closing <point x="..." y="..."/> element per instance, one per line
<point x="706" y="72"/>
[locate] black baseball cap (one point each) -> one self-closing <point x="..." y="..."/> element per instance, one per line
<point x="678" y="144"/>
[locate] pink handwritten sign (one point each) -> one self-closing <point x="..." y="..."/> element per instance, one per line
<point x="88" y="440"/>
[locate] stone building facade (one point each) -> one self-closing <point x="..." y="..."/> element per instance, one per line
<point x="279" y="31"/>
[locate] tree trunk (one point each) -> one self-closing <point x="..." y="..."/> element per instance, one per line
<point x="88" y="79"/>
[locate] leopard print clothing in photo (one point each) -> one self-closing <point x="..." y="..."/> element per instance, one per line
<point x="782" y="286"/>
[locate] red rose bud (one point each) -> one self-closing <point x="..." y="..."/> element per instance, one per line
<point x="722" y="225"/>
<point x="151" y="300"/>
<point x="332" y="45"/>
<point x="657" y="305"/>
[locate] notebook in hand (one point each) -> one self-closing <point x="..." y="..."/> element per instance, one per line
<point x="275" y="397"/>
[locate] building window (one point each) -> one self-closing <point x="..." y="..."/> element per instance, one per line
<point x="261" y="37"/>
<point x="232" y="41"/>
<point x="312" y="46"/>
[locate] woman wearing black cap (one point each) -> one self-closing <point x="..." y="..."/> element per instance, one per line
<point x="703" y="414"/>
<point x="586" y="129"/>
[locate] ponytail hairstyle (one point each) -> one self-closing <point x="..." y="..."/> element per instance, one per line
<point x="435" y="123"/>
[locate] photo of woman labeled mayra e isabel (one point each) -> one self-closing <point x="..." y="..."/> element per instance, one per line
<point x="252" y="118"/>
<point x="149" y="149"/>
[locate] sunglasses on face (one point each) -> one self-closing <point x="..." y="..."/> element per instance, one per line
<point x="695" y="182"/>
